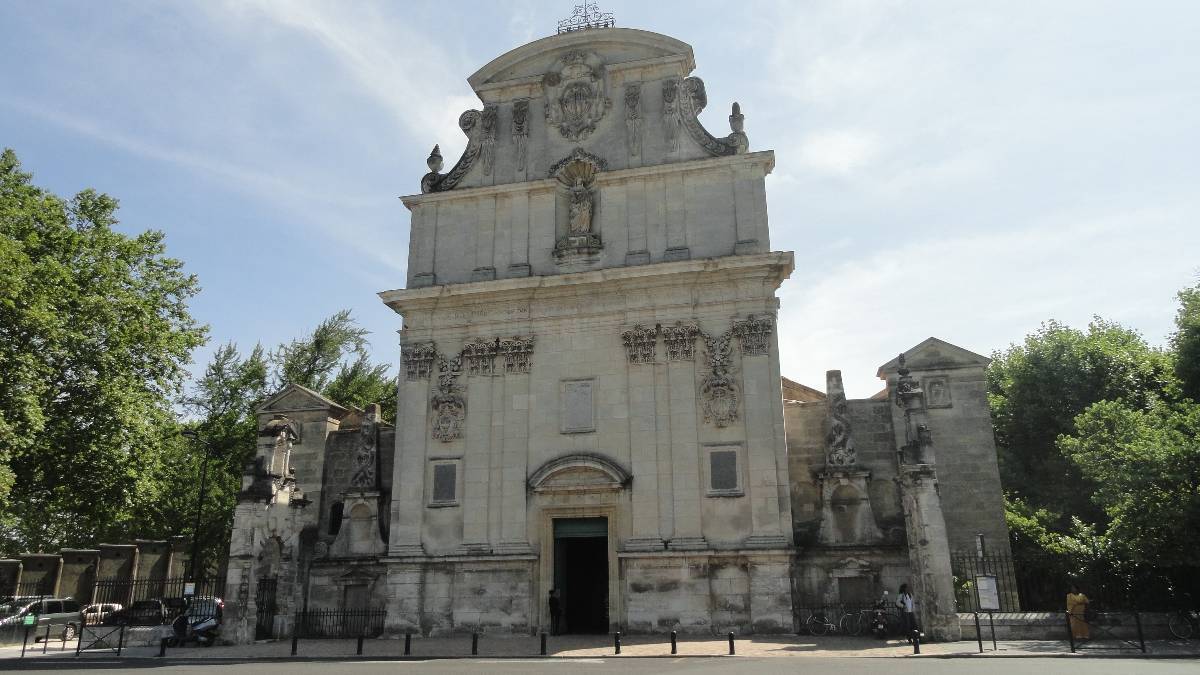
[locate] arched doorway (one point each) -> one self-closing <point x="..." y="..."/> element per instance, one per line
<point x="578" y="498"/>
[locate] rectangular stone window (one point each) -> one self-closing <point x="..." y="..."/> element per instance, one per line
<point x="723" y="471"/>
<point x="577" y="407"/>
<point x="445" y="484"/>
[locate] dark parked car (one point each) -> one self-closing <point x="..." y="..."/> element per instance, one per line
<point x="140" y="613"/>
<point x="63" y="615"/>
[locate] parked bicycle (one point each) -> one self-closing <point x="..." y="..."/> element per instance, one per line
<point x="819" y="624"/>
<point x="1185" y="623"/>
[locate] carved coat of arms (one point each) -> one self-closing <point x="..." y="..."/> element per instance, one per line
<point x="575" y="99"/>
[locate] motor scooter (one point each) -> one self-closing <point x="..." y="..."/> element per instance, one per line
<point x="203" y="630"/>
<point x="879" y="618"/>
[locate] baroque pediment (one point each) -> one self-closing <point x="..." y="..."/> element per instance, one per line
<point x="612" y="45"/>
<point x="579" y="472"/>
<point x="296" y="397"/>
<point x="935" y="354"/>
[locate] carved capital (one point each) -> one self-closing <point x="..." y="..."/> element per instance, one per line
<point x="516" y="352"/>
<point x="755" y="335"/>
<point x="640" y="344"/>
<point x="680" y="340"/>
<point x="418" y="360"/>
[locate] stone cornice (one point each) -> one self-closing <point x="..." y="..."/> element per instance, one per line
<point x="764" y="158"/>
<point x="777" y="265"/>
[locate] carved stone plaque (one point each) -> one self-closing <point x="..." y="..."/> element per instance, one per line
<point x="578" y="411"/>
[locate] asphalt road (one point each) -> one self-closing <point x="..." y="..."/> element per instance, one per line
<point x="748" y="666"/>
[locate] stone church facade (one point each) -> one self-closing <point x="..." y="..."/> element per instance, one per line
<point x="590" y="397"/>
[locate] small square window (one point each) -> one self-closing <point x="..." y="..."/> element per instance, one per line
<point x="445" y="483"/>
<point x="723" y="471"/>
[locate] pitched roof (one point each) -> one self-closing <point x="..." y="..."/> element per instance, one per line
<point x="298" y="397"/>
<point x="935" y="354"/>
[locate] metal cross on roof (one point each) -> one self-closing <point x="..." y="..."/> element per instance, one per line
<point x="587" y="15"/>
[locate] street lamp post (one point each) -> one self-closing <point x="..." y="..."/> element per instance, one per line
<point x="191" y="433"/>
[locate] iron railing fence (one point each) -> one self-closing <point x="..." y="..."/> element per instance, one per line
<point x="127" y="592"/>
<point x="1041" y="582"/>
<point x="31" y="589"/>
<point x="340" y="623"/>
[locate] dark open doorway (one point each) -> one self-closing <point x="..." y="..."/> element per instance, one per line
<point x="581" y="573"/>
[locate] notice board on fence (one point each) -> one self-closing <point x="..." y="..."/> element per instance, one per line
<point x="987" y="592"/>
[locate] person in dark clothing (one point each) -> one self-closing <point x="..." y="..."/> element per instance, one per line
<point x="555" y="612"/>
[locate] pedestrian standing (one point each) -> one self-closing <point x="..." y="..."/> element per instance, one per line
<point x="904" y="601"/>
<point x="1077" y="604"/>
<point x="555" y="612"/>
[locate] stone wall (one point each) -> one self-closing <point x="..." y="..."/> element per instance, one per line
<point x="74" y="572"/>
<point x="807" y="424"/>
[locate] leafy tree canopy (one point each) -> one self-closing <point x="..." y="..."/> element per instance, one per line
<point x="1036" y="389"/>
<point x="95" y="335"/>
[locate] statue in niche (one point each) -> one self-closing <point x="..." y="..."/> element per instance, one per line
<point x="581" y="208"/>
<point x="576" y="213"/>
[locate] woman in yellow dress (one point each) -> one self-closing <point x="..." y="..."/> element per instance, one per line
<point x="1077" y="604"/>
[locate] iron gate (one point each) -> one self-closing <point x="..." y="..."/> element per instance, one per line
<point x="264" y="601"/>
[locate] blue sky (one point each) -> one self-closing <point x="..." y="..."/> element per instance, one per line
<point x="958" y="169"/>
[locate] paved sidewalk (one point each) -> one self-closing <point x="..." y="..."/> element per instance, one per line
<point x="633" y="646"/>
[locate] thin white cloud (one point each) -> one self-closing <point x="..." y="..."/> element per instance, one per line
<point x="984" y="291"/>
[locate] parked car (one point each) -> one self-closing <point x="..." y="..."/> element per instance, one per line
<point x="95" y="614"/>
<point x="140" y="613"/>
<point x="63" y="615"/>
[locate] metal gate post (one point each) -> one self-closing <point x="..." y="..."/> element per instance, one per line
<point x="978" y="633"/>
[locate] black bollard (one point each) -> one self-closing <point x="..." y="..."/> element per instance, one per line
<point x="731" y="643"/>
<point x="295" y="643"/>
<point x="46" y="639"/>
<point x="408" y="644"/>
<point x="1141" y="637"/>
<point x="162" y="647"/>
<point x="916" y="641"/>
<point x="474" y="644"/>
<point x="121" y="640"/>
<point x="25" y="641"/>
<point x="674" y="642"/>
<point x="978" y="632"/>
<point x="543" y="644"/>
<point x="360" y="639"/>
<point x="617" y="642"/>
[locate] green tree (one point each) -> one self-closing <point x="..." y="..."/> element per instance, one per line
<point x="334" y="361"/>
<point x="95" y="335"/>
<point x="1145" y="465"/>
<point x="1186" y="342"/>
<point x="1036" y="390"/>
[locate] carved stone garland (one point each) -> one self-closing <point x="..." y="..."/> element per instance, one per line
<point x="520" y="131"/>
<point x="633" y="118"/>
<point x="681" y="341"/>
<point x="841" y="452"/>
<point x="719" y="394"/>
<point x="488" y="139"/>
<point x="755" y="335"/>
<point x="640" y="343"/>
<point x="670" y="95"/>
<point x="449" y="406"/>
<point x="364" y="456"/>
